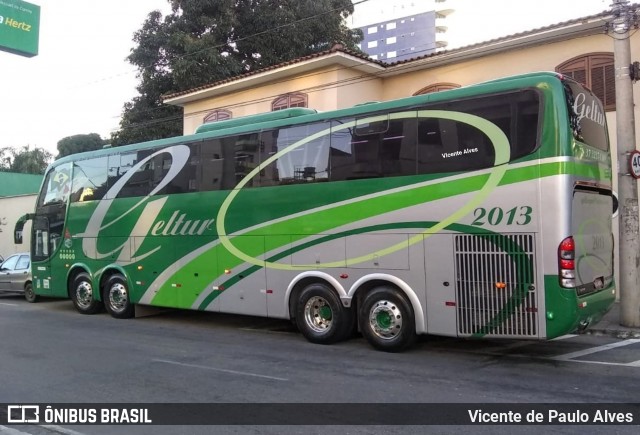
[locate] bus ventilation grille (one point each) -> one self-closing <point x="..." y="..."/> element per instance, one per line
<point x="495" y="287"/>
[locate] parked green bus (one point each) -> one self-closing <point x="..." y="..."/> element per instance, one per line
<point x="482" y="211"/>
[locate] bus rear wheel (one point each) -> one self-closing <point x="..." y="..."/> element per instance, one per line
<point x="386" y="319"/>
<point x="82" y="294"/>
<point x="116" y="297"/>
<point x="321" y="317"/>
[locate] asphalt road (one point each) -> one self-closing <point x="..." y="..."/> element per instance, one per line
<point x="52" y="354"/>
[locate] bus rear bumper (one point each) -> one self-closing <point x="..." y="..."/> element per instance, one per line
<point x="593" y="307"/>
<point x="567" y="313"/>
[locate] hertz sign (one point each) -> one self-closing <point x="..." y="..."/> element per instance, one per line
<point x="19" y="27"/>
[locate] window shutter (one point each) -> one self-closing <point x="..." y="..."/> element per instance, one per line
<point x="596" y="71"/>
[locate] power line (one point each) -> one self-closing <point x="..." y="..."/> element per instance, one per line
<point x="231" y="42"/>
<point x="336" y="84"/>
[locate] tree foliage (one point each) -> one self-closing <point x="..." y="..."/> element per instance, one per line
<point x="203" y="41"/>
<point x="24" y="160"/>
<point x="79" y="143"/>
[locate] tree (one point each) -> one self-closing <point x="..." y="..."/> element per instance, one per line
<point x="205" y="41"/>
<point x="79" y="143"/>
<point x="25" y="160"/>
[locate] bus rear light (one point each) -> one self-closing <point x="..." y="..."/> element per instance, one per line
<point x="567" y="263"/>
<point x="568" y="248"/>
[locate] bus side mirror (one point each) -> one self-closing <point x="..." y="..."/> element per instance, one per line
<point x="17" y="232"/>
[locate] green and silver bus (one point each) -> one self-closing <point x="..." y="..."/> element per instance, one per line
<point x="483" y="211"/>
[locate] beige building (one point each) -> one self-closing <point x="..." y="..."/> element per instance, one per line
<point x="339" y="78"/>
<point x="18" y="194"/>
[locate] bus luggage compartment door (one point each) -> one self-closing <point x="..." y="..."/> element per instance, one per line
<point x="495" y="285"/>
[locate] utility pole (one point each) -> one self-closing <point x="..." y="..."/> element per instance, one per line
<point x="629" y="232"/>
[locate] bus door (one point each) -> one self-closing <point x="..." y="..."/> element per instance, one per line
<point x="593" y="241"/>
<point x="41" y="255"/>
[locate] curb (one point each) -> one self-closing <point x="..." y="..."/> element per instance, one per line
<point x="617" y="333"/>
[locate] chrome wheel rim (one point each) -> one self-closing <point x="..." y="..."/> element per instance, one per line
<point x="118" y="299"/>
<point x="84" y="294"/>
<point x="318" y="314"/>
<point x="385" y="320"/>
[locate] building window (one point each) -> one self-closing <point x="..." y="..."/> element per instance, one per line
<point x="289" y="100"/>
<point x="596" y="71"/>
<point x="391" y="40"/>
<point x="437" y="87"/>
<point x="391" y="54"/>
<point x="372" y="44"/>
<point x="217" y="115"/>
<point x="371" y="30"/>
<point x="391" y="26"/>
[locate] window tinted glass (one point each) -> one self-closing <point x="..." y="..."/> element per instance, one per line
<point x="516" y="114"/>
<point x="245" y="151"/>
<point x="381" y="148"/>
<point x="152" y="167"/>
<point x="215" y="160"/>
<point x="57" y="186"/>
<point x="446" y="146"/>
<point x="586" y="116"/>
<point x="89" y="179"/>
<point x="306" y="162"/>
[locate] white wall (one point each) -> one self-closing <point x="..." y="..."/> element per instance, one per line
<point x="11" y="208"/>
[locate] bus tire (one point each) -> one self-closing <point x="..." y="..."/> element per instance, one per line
<point x="29" y="294"/>
<point x="83" y="295"/>
<point x="116" y="297"/>
<point x="321" y="317"/>
<point x="386" y="319"/>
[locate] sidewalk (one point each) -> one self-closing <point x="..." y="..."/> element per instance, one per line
<point x="610" y="325"/>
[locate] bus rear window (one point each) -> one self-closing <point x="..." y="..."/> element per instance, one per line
<point x="586" y="116"/>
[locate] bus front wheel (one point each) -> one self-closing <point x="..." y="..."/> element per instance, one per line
<point x="386" y="319"/>
<point x="321" y="317"/>
<point x="82" y="294"/>
<point x="116" y="297"/>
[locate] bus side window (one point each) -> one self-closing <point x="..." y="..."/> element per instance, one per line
<point x="430" y="147"/>
<point x="301" y="161"/>
<point x="89" y="179"/>
<point x="184" y="181"/>
<point x="211" y="162"/>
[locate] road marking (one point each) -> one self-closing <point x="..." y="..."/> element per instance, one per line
<point x="234" y="372"/>
<point x="572" y="355"/>
<point x="564" y="337"/>
<point x="10" y="431"/>
<point x="60" y="429"/>
<point x="607" y="363"/>
<point x="11" y="305"/>
<point x="4" y="430"/>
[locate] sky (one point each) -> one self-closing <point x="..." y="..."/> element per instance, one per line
<point x="80" y="79"/>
